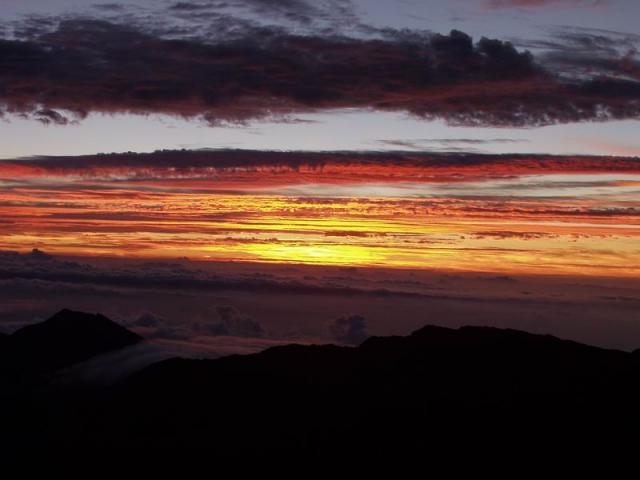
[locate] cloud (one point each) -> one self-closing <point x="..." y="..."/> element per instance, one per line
<point x="147" y="319"/>
<point x="114" y="366"/>
<point x="496" y="4"/>
<point x="109" y="6"/>
<point x="271" y="167"/>
<point x="234" y="323"/>
<point x="463" y="145"/>
<point x="229" y="321"/>
<point x="39" y="255"/>
<point x="265" y="72"/>
<point x="328" y="15"/>
<point x="506" y="234"/>
<point x="189" y="6"/>
<point x="349" y="329"/>
<point x="587" y="52"/>
<point x="26" y="270"/>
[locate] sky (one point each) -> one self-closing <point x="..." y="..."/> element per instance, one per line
<point x="226" y="176"/>
<point x="459" y="212"/>
<point x="479" y="135"/>
<point x="561" y="34"/>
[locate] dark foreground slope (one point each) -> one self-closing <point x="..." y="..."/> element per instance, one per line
<point x="465" y="388"/>
<point x="479" y="389"/>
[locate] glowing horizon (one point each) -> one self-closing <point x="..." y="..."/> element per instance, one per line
<point x="531" y="215"/>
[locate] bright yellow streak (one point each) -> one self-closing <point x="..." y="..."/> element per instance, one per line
<point x="463" y="234"/>
<point x="318" y="254"/>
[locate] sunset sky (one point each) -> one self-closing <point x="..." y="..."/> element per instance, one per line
<point x="478" y="135"/>
<point x="462" y="212"/>
<point x="319" y="227"/>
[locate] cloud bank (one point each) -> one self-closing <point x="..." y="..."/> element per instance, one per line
<point x="284" y="167"/>
<point x="82" y="66"/>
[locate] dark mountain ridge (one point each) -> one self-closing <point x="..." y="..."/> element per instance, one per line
<point x="438" y="389"/>
<point x="392" y="395"/>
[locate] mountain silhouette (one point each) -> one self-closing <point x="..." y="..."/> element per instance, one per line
<point x="438" y="389"/>
<point x="68" y="337"/>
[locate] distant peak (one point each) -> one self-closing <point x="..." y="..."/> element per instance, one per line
<point x="39" y="254"/>
<point x="69" y="337"/>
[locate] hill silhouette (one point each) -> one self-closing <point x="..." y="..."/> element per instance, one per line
<point x="67" y="338"/>
<point x="392" y="395"/>
<point x="468" y="389"/>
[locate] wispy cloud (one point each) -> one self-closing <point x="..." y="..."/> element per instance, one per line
<point x="465" y="145"/>
<point x="543" y="3"/>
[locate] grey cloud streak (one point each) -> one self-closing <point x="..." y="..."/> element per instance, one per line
<point x="496" y="4"/>
<point x="587" y="52"/>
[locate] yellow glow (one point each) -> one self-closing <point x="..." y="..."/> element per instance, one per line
<point x="462" y="234"/>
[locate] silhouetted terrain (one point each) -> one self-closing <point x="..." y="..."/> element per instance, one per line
<point x="472" y="388"/>
<point x="63" y="340"/>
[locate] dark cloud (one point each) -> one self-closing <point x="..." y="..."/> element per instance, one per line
<point x="38" y="255"/>
<point x="468" y="145"/>
<point x="86" y="66"/>
<point x="328" y="15"/>
<point x="109" y="6"/>
<point x="208" y="163"/>
<point x="234" y="323"/>
<point x="227" y="320"/>
<point x="231" y="323"/>
<point x="48" y="116"/>
<point x="152" y="326"/>
<point x="585" y="52"/>
<point x="147" y="319"/>
<point x="349" y="329"/>
<point x="542" y="3"/>
<point x="472" y="141"/>
<point x="189" y="6"/>
<point x="21" y="268"/>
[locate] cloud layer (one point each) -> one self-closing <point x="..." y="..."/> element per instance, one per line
<point x="60" y="75"/>
<point x="264" y="168"/>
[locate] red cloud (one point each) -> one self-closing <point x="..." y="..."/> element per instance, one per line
<point x="262" y="169"/>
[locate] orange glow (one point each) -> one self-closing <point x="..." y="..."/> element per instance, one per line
<point x="521" y="214"/>
<point x="516" y="235"/>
